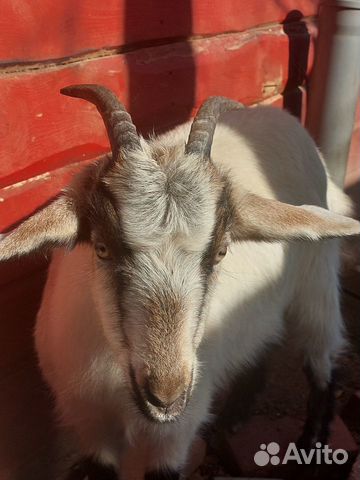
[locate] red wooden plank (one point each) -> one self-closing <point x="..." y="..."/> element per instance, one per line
<point x="41" y="130"/>
<point x="19" y="200"/>
<point x="45" y="29"/>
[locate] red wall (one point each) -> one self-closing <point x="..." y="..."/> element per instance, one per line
<point x="163" y="58"/>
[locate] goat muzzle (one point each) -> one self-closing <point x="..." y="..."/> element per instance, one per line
<point x="162" y="400"/>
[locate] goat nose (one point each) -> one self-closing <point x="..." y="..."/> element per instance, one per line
<point x="163" y="398"/>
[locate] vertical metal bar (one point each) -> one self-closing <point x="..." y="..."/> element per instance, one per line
<point x="335" y="83"/>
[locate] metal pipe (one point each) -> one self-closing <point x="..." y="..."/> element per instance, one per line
<point x="335" y="83"/>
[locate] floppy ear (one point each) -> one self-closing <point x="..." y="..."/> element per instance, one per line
<point x="54" y="225"/>
<point x="258" y="218"/>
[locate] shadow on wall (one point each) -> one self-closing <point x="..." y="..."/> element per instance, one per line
<point x="354" y="191"/>
<point x="299" y="45"/>
<point x="26" y="427"/>
<point x="166" y="71"/>
<point x="351" y="257"/>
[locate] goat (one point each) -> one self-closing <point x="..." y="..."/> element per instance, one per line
<point x="175" y="261"/>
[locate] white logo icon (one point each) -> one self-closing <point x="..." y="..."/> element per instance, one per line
<point x="267" y="453"/>
<point x="321" y="454"/>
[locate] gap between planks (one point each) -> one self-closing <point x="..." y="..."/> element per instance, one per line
<point x="11" y="68"/>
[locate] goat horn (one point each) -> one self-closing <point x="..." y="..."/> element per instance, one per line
<point x="119" y="126"/>
<point x="203" y="126"/>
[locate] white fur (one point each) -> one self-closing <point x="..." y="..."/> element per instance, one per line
<point x="270" y="154"/>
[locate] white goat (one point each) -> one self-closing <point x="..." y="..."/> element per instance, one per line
<point x="145" y="314"/>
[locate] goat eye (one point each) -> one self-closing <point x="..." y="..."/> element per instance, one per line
<point x="102" y="251"/>
<point x="220" y="254"/>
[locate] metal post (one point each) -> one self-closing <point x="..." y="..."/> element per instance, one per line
<point x="335" y="83"/>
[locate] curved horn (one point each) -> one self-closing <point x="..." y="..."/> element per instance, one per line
<point x="119" y="126"/>
<point x="203" y="126"/>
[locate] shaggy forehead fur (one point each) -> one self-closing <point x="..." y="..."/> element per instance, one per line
<point x="163" y="193"/>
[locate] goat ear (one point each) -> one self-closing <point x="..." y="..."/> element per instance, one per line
<point x="258" y="218"/>
<point x="54" y="225"/>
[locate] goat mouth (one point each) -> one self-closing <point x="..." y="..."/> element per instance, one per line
<point x="159" y="414"/>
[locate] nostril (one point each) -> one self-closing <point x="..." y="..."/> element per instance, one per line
<point x="161" y="400"/>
